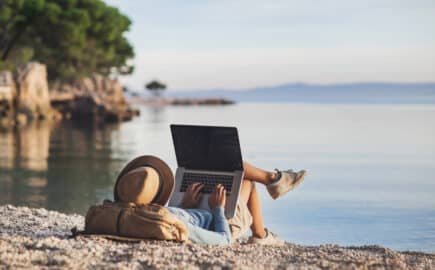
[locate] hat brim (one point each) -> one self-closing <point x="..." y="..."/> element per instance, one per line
<point x="165" y="173"/>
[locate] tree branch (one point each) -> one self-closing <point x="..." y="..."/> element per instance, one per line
<point x="11" y="44"/>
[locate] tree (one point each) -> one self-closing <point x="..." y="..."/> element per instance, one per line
<point x="155" y="87"/>
<point x="74" y="38"/>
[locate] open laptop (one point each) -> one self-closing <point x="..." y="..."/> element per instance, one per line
<point x="209" y="155"/>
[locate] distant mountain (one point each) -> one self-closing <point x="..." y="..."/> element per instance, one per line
<point x="380" y="93"/>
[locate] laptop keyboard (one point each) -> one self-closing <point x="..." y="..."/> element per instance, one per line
<point x="209" y="181"/>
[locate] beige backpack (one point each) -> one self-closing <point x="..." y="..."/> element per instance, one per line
<point x="128" y="220"/>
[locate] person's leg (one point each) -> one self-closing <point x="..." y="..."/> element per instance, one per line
<point x="277" y="183"/>
<point x="254" y="207"/>
<point x="249" y="197"/>
<point x="258" y="175"/>
<point x="245" y="191"/>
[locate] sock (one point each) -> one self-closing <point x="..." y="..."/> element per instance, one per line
<point x="278" y="176"/>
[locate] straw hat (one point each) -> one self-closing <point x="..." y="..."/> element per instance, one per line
<point x="144" y="180"/>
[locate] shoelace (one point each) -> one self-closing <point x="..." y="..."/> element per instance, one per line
<point x="290" y="171"/>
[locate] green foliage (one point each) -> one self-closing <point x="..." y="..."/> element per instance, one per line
<point x="74" y="38"/>
<point x="155" y="87"/>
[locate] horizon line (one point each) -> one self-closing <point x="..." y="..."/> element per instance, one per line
<point x="300" y="84"/>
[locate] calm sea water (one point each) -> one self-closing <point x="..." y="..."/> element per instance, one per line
<point x="371" y="167"/>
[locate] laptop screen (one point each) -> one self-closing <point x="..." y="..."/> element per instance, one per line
<point x="207" y="148"/>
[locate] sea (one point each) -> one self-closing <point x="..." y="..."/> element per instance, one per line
<point x="371" y="167"/>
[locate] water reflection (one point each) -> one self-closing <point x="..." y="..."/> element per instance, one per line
<point x="61" y="166"/>
<point x="371" y="167"/>
<point x="156" y="113"/>
<point x="26" y="148"/>
<point x="23" y="163"/>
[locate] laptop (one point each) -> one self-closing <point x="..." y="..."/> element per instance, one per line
<point x="209" y="155"/>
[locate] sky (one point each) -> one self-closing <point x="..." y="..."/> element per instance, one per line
<point x="238" y="44"/>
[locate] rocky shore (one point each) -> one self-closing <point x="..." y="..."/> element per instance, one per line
<point x="26" y="95"/>
<point x="37" y="238"/>
<point x="181" y="101"/>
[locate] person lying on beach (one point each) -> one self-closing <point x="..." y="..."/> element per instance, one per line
<point x="148" y="179"/>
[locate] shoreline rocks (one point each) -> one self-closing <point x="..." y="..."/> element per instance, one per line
<point x="7" y="96"/>
<point x="203" y="101"/>
<point x="25" y="95"/>
<point x="38" y="238"/>
<point x="95" y="98"/>
<point x="33" y="97"/>
<point x="183" y="101"/>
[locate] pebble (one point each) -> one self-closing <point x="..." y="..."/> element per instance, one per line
<point x="39" y="239"/>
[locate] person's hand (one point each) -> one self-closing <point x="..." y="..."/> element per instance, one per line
<point x="192" y="196"/>
<point x="218" y="197"/>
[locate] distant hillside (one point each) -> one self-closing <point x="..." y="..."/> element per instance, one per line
<point x="381" y="93"/>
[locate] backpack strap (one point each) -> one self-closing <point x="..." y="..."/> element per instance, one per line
<point x="78" y="234"/>
<point x="118" y="221"/>
<point x="75" y="233"/>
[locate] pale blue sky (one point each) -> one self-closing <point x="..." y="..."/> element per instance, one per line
<point x="194" y="44"/>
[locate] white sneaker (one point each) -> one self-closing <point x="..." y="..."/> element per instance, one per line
<point x="288" y="181"/>
<point x="270" y="240"/>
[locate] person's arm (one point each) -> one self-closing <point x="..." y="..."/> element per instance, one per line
<point x="220" y="222"/>
<point x="221" y="234"/>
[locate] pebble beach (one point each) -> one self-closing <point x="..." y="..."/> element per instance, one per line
<point x="38" y="238"/>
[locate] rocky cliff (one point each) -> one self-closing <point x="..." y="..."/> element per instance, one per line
<point x="96" y="97"/>
<point x="26" y="95"/>
<point x="33" y="97"/>
<point x="7" y="96"/>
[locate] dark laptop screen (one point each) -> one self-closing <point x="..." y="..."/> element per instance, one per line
<point x="207" y="148"/>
